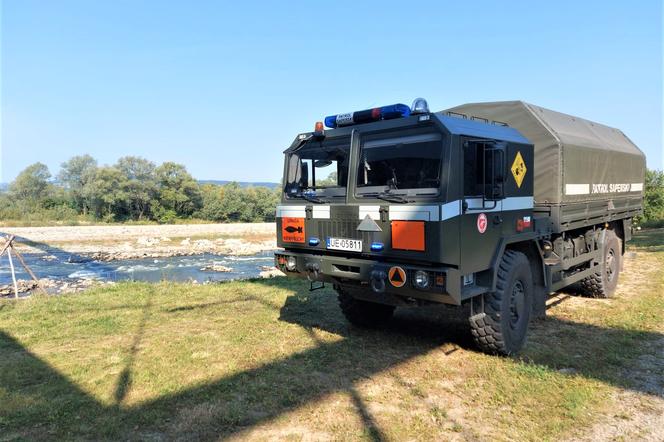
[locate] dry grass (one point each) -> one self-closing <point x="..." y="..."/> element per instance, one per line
<point x="270" y="360"/>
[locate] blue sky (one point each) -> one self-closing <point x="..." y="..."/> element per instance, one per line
<point x="223" y="87"/>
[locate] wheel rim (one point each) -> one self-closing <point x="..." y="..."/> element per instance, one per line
<point x="517" y="300"/>
<point x="610" y="265"/>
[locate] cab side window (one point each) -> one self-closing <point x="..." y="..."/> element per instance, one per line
<point x="473" y="169"/>
<point x="483" y="169"/>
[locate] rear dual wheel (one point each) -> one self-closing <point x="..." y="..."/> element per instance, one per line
<point x="603" y="283"/>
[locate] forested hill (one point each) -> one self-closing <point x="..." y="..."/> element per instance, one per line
<point x="242" y="184"/>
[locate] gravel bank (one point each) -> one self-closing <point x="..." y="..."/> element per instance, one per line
<point x="106" y="243"/>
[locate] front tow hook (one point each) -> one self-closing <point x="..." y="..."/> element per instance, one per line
<point x="378" y="278"/>
<point x="313" y="269"/>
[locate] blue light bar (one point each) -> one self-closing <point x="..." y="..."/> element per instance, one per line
<point x="366" y="116"/>
<point x="376" y="246"/>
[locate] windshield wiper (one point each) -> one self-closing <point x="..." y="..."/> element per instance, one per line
<point x="391" y="197"/>
<point x="310" y="198"/>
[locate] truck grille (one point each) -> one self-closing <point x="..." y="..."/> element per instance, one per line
<point x="339" y="229"/>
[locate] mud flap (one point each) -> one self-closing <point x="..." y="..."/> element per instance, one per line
<point x="539" y="301"/>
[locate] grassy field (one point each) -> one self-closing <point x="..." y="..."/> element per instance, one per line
<point x="270" y="360"/>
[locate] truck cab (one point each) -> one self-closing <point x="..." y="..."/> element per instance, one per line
<point x="399" y="206"/>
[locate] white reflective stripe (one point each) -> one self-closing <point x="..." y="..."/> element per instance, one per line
<point x="321" y="212"/>
<point x="450" y="210"/>
<point x="291" y="211"/>
<point x="372" y="211"/>
<point x="636" y="187"/>
<point x="518" y="203"/>
<point x="577" y="189"/>
<point x="414" y="213"/>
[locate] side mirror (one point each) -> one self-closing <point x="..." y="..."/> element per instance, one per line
<point x="322" y="163"/>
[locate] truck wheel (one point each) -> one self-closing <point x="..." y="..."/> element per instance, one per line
<point x="363" y="313"/>
<point x="499" y="320"/>
<point x="603" y="283"/>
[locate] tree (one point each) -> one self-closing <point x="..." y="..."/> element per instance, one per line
<point x="234" y="206"/>
<point x="76" y="174"/>
<point x="31" y="185"/>
<point x="139" y="186"/>
<point x="262" y="202"/>
<point x="107" y="193"/>
<point x="653" y="199"/>
<point x="213" y="208"/>
<point x="179" y="193"/>
<point x="331" y="180"/>
<point x="232" y="203"/>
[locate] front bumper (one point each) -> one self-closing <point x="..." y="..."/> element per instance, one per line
<point x="364" y="272"/>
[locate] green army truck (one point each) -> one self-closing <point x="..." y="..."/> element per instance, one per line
<point x="490" y="205"/>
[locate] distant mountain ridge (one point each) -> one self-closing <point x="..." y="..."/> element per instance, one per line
<point x="241" y="183"/>
<point x="5" y="186"/>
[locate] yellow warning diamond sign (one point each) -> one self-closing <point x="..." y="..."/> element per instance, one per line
<point x="518" y="169"/>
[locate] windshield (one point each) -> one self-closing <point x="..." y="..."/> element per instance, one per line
<point x="401" y="165"/>
<point x="319" y="168"/>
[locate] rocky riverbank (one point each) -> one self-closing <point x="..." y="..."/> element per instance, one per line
<point x="52" y="286"/>
<point x="56" y="286"/>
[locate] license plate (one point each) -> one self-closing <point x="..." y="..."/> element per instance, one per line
<point x="351" y="245"/>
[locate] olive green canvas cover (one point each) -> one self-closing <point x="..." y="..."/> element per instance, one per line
<point x="576" y="160"/>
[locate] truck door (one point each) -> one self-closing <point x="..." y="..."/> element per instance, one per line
<point x="483" y="194"/>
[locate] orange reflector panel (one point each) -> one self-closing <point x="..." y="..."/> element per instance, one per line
<point x="408" y="235"/>
<point x="292" y="229"/>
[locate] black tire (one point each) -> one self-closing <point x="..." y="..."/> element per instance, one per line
<point x="363" y="313"/>
<point x="500" y="319"/>
<point x="603" y="283"/>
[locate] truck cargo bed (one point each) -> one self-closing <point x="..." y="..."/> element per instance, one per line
<point x="576" y="215"/>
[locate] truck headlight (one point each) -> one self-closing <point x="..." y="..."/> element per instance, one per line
<point x="421" y="279"/>
<point x="291" y="263"/>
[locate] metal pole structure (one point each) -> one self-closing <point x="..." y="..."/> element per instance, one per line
<point x="8" y="242"/>
<point x="27" y="269"/>
<point x="11" y="265"/>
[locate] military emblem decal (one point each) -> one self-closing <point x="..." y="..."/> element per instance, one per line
<point x="482" y="223"/>
<point x="518" y="169"/>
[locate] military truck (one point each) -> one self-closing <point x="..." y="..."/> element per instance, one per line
<point x="492" y="206"/>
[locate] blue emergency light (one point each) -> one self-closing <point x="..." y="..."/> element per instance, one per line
<point x="366" y="116"/>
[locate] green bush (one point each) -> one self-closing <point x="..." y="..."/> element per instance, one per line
<point x="653" y="199"/>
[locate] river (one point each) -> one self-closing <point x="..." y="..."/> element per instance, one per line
<point x="63" y="265"/>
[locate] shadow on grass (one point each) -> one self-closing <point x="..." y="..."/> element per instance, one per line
<point x="38" y="399"/>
